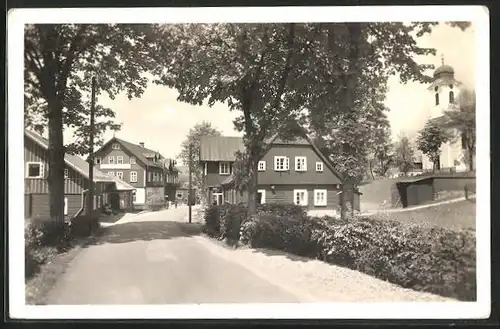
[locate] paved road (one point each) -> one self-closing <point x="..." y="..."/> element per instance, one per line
<point x="155" y="258"/>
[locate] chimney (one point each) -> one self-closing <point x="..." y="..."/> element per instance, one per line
<point x="141" y="144"/>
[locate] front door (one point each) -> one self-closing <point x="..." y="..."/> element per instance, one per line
<point x="218" y="198"/>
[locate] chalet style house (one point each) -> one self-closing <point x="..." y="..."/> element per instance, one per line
<point x="152" y="176"/>
<point x="108" y="190"/>
<point x="292" y="171"/>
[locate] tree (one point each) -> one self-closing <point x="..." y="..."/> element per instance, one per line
<point x="404" y="154"/>
<point x="193" y="138"/>
<point x="382" y="154"/>
<point x="272" y="72"/>
<point x="60" y="61"/>
<point x="462" y="118"/>
<point x="429" y="141"/>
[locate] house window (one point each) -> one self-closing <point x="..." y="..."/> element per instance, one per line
<point x="116" y="146"/>
<point x="320" y="197"/>
<point x="133" y="176"/>
<point x="224" y="168"/>
<point x="261" y="196"/>
<point x="34" y="170"/>
<point x="65" y="206"/>
<point x="132" y="160"/>
<point x="111" y="173"/>
<point x="111" y="159"/>
<point x="119" y="159"/>
<point x="300" y="164"/>
<point x="66" y="173"/>
<point x="319" y="166"/>
<point x="149" y="176"/>
<point x="97" y="160"/>
<point x="281" y="163"/>
<point x="134" y="196"/>
<point x="95" y="202"/>
<point x="262" y="166"/>
<point x="300" y="197"/>
<point x="119" y="174"/>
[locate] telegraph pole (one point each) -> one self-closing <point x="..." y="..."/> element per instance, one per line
<point x="90" y="199"/>
<point x="190" y="196"/>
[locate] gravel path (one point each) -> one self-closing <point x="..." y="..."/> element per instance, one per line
<point x="315" y="280"/>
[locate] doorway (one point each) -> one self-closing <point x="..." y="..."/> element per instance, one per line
<point x="218" y="198"/>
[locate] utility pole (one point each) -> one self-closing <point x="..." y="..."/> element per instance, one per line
<point x="90" y="199"/>
<point x="190" y="196"/>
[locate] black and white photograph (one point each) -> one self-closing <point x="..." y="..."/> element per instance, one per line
<point x="279" y="162"/>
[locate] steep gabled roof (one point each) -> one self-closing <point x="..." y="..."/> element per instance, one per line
<point x="220" y="148"/>
<point x="141" y="153"/>
<point x="75" y="162"/>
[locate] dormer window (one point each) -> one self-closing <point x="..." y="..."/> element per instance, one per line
<point x="116" y="146"/>
<point x="224" y="168"/>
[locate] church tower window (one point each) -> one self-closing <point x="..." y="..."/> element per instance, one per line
<point x="451" y="95"/>
<point x="436" y="95"/>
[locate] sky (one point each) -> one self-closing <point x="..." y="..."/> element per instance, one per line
<point x="162" y="123"/>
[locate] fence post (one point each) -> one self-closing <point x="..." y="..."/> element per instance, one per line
<point x="466" y="190"/>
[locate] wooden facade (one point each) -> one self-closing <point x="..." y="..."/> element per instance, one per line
<point x="36" y="189"/>
<point x="140" y="167"/>
<point x="308" y="178"/>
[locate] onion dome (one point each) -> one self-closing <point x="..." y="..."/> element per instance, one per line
<point x="444" y="70"/>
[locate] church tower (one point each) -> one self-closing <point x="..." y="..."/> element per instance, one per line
<point x="444" y="91"/>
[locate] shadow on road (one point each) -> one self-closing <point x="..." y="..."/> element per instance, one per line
<point x="272" y="252"/>
<point x="145" y="231"/>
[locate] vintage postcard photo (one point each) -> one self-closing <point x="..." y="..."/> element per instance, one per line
<point x="279" y="162"/>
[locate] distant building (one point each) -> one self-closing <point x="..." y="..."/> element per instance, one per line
<point x="146" y="170"/>
<point x="444" y="91"/>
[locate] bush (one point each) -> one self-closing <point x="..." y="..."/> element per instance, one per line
<point x="212" y="224"/>
<point x="439" y="261"/>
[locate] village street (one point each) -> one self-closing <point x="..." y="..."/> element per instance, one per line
<point x="158" y="258"/>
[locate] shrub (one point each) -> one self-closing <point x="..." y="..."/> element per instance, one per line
<point x="231" y="217"/>
<point x="212" y="224"/>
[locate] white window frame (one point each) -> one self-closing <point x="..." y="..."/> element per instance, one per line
<point x="97" y="160"/>
<point x="261" y="166"/>
<point x="224" y="165"/>
<point x="66" y="173"/>
<point x="41" y="173"/>
<point x="305" y="201"/>
<point x="135" y="175"/>
<point x="65" y="206"/>
<point x="299" y="160"/>
<point x="119" y="159"/>
<point x="132" y="160"/>
<point x="286" y="163"/>
<point x="319" y="166"/>
<point x="318" y="202"/>
<point x="111" y="159"/>
<point x="111" y="173"/>
<point x="119" y="174"/>
<point x="116" y="146"/>
<point x="263" y="200"/>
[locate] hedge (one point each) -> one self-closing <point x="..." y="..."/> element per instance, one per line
<point x="435" y="260"/>
<point x="43" y="239"/>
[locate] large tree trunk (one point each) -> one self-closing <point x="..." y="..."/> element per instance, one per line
<point x="56" y="164"/>
<point x="252" y="186"/>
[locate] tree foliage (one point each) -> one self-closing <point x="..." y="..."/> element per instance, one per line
<point x="193" y="138"/>
<point x="462" y="118"/>
<point x="60" y="61"/>
<point x="404" y="154"/>
<point x="429" y="141"/>
<point x="271" y="72"/>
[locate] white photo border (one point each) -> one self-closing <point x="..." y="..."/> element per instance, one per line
<point x="16" y="19"/>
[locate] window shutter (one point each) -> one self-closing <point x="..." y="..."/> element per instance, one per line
<point x="305" y="164"/>
<point x="264" y="165"/>
<point x="275" y="163"/>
